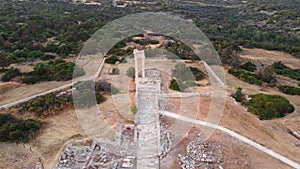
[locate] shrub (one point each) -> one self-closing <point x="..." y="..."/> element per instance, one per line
<point x="182" y="72"/>
<point x="36" y="54"/>
<point x="116" y="71"/>
<point x="47" y="57"/>
<point x="84" y="94"/>
<point x="239" y="96"/>
<point x="134" y="109"/>
<point x="198" y="74"/>
<point x="105" y="87"/>
<point x="249" y="66"/>
<point x="177" y="85"/>
<point x="10" y="74"/>
<point x="131" y="72"/>
<point x="112" y="60"/>
<point x="269" y="106"/>
<point x="100" y="98"/>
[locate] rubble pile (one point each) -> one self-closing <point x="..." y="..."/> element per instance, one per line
<point x="73" y="155"/>
<point x="201" y="155"/>
<point x="166" y="142"/>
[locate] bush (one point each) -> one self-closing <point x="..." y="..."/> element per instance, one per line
<point x="269" y="106"/>
<point x="14" y="130"/>
<point x="198" y="74"/>
<point x="239" y="96"/>
<point x="105" y="87"/>
<point x="177" y="85"/>
<point x="100" y="98"/>
<point x="116" y="71"/>
<point x="289" y="90"/>
<point x="131" y="72"/>
<point x="112" y="60"/>
<point x="249" y="66"/>
<point x="134" y="109"/>
<point x="10" y="74"/>
<point x="84" y="95"/>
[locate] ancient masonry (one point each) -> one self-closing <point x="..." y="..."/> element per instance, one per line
<point x="138" y="146"/>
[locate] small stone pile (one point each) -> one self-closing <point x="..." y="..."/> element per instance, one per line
<point x="201" y="155"/>
<point x="166" y="142"/>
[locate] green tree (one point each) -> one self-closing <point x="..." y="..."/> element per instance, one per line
<point x="239" y="95"/>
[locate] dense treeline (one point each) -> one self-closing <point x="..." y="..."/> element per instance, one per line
<point x="289" y="90"/>
<point x="47" y="104"/>
<point x="44" y="29"/>
<point x="269" y="106"/>
<point x="15" y="130"/>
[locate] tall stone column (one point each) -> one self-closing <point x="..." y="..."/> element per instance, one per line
<point x="139" y="58"/>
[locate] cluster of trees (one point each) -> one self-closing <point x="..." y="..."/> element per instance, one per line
<point x="114" y="59"/>
<point x="181" y="50"/>
<point x="47" y="104"/>
<point x="105" y="87"/>
<point x="245" y="76"/>
<point x="269" y="106"/>
<point x="84" y="95"/>
<point x="15" y="130"/>
<point x="86" y="91"/>
<point x="265" y="75"/>
<point x="281" y="69"/>
<point x="58" y="70"/>
<point x="32" y="29"/>
<point x="249" y="66"/>
<point x="228" y="51"/>
<point x="291" y="90"/>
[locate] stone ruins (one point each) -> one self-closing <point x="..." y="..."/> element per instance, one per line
<point x="138" y="146"/>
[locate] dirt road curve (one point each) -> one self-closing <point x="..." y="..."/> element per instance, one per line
<point x="235" y="135"/>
